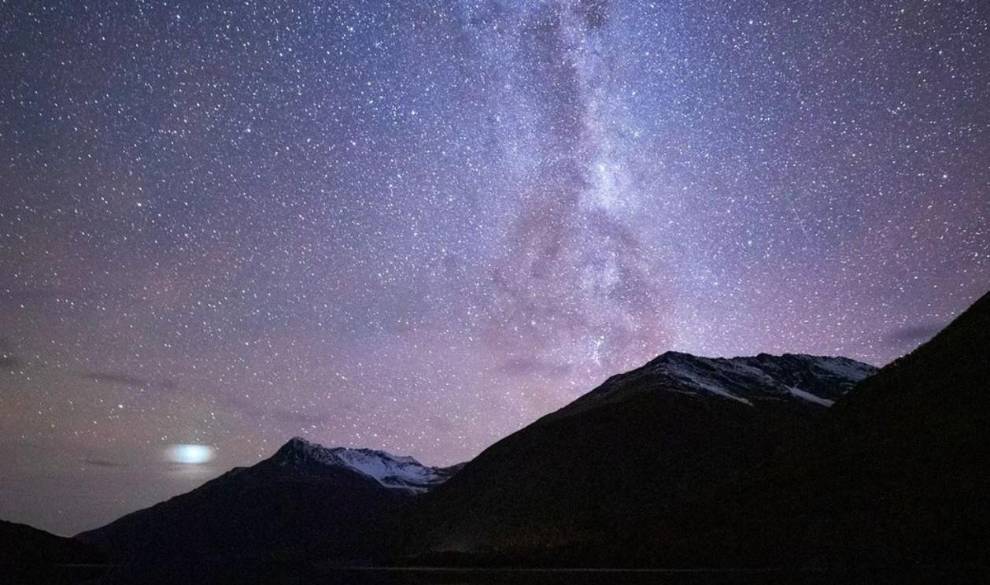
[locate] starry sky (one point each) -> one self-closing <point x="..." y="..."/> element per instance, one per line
<point x="418" y="226"/>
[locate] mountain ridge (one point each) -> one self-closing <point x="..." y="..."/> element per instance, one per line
<point x="745" y="378"/>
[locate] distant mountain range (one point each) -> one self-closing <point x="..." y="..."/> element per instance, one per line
<point x="686" y="462"/>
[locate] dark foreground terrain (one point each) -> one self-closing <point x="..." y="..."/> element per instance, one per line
<point x="314" y="574"/>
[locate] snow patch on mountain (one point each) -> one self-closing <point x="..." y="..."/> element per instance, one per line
<point x="846" y="368"/>
<point x="391" y="471"/>
<point x="811" y="397"/>
<point x="699" y="380"/>
<point x="816" y="380"/>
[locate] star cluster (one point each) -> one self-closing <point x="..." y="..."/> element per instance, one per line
<point x="418" y="226"/>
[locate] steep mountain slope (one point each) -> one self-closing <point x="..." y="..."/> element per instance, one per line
<point x="306" y="501"/>
<point x="638" y="447"/>
<point x="29" y="555"/>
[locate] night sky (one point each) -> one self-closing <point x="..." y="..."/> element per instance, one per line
<point x="418" y="226"/>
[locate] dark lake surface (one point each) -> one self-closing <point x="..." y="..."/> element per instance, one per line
<point x="444" y="576"/>
<point x="285" y="574"/>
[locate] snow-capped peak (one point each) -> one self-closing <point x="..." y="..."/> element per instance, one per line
<point x="392" y="471"/>
<point x="817" y="380"/>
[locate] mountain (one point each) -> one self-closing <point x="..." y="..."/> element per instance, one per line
<point x="630" y="453"/>
<point x="29" y="555"/>
<point x="305" y="501"/>
<point x="896" y="474"/>
<point x="389" y="470"/>
<point x="819" y="380"/>
<point x="788" y="461"/>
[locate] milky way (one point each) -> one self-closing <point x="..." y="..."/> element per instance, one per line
<point x="419" y="226"/>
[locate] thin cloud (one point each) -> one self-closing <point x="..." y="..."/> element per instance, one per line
<point x="122" y="379"/>
<point x="96" y="462"/>
<point x="9" y="361"/>
<point x="117" y="379"/>
<point x="913" y="334"/>
<point x="522" y="366"/>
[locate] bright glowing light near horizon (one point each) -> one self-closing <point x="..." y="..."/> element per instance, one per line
<point x="189" y="454"/>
